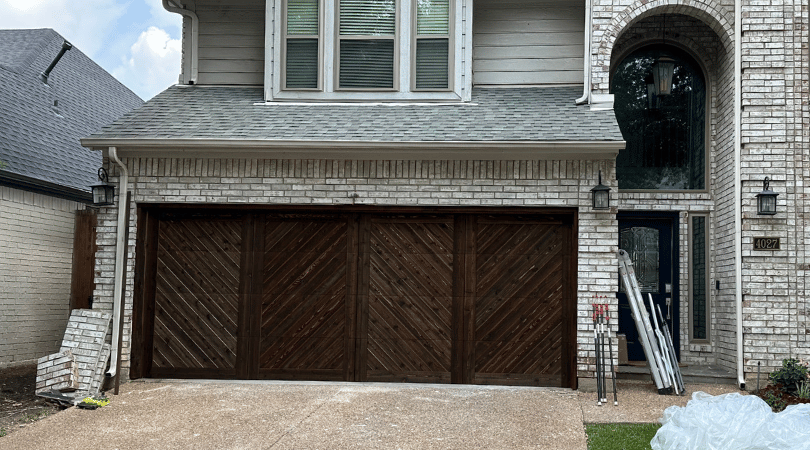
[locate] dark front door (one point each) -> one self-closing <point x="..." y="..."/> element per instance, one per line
<point x="651" y="242"/>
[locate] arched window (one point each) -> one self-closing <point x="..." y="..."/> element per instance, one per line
<point x="665" y="134"/>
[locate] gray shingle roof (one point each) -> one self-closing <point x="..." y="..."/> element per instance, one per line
<point x="39" y="141"/>
<point x="494" y="115"/>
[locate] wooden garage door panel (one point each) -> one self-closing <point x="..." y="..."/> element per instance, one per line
<point x="303" y="313"/>
<point x="196" y="295"/>
<point x="410" y="299"/>
<point x="519" y="301"/>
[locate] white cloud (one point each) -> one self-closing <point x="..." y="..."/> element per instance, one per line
<point x="86" y="23"/>
<point x="153" y="63"/>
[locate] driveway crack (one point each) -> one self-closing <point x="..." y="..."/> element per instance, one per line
<point x="290" y="429"/>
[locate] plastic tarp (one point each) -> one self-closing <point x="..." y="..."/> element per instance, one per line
<point x="732" y="421"/>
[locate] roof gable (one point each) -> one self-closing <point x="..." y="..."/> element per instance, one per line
<point x="40" y="124"/>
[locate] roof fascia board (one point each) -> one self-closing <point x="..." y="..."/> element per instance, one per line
<point x="44" y="187"/>
<point x="457" y="150"/>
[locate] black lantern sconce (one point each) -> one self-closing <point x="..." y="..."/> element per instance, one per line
<point x="103" y="192"/>
<point x="766" y="200"/>
<point x="601" y="195"/>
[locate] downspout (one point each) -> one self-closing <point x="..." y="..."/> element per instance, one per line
<point x="189" y="74"/>
<point x="120" y="260"/>
<point x="586" y="88"/>
<point x="738" y="187"/>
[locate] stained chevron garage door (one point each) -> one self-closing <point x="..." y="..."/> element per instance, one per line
<point x="447" y="296"/>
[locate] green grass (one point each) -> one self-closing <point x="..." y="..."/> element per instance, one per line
<point x="620" y="436"/>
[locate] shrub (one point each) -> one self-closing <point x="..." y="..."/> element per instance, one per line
<point x="804" y="390"/>
<point x="791" y="375"/>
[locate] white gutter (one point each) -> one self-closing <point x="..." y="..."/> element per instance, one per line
<point x="738" y="187"/>
<point x="120" y="260"/>
<point x="189" y="73"/>
<point x="586" y="88"/>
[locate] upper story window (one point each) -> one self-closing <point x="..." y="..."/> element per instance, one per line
<point x="302" y="49"/>
<point x="665" y="134"/>
<point x="366" y="49"/>
<point x="367" y="35"/>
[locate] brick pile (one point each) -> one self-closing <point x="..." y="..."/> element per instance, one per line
<point x="79" y="366"/>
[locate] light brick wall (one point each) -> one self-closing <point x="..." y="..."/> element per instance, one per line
<point x="36" y="251"/>
<point x="775" y="123"/>
<point x="534" y="184"/>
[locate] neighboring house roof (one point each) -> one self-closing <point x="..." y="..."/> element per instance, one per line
<point x="207" y="117"/>
<point x="40" y="125"/>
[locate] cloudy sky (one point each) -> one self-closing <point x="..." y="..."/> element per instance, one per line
<point x="135" y="40"/>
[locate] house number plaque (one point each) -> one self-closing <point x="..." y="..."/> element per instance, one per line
<point x="767" y="243"/>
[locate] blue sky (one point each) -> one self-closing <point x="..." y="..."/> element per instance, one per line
<point x="135" y="40"/>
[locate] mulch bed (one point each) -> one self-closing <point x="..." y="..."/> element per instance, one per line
<point x="19" y="404"/>
<point x="775" y="391"/>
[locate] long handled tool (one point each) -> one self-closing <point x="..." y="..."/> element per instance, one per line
<point x="643" y="326"/>
<point x="596" y="348"/>
<point x="601" y="308"/>
<point x="610" y="346"/>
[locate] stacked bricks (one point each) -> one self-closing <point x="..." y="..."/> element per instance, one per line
<point x="57" y="372"/>
<point x="84" y="341"/>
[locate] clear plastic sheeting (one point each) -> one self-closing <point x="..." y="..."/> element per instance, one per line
<point x="732" y="421"/>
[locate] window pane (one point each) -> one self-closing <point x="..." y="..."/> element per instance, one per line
<point x="699" y="274"/>
<point x="641" y="244"/>
<point x="302" y="63"/>
<point x="665" y="135"/>
<point x="367" y="63"/>
<point x="433" y="17"/>
<point x="368" y="17"/>
<point x="302" y="17"/>
<point x="431" y="64"/>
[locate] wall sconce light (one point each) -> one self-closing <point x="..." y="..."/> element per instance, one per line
<point x="601" y="195"/>
<point x="766" y="200"/>
<point x="103" y="192"/>
<point x="652" y="97"/>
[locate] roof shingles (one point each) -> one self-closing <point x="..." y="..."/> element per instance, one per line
<point x="494" y="115"/>
<point x="40" y="124"/>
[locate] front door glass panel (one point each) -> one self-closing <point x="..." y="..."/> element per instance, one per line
<point x="641" y="243"/>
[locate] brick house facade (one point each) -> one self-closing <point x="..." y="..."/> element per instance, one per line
<point x="756" y="298"/>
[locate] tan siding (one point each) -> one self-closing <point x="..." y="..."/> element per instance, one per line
<point x="528" y="42"/>
<point x="231" y="42"/>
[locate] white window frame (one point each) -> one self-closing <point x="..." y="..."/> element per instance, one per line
<point x="460" y="49"/>
<point x="397" y="50"/>
<point x="285" y="37"/>
<point x="450" y="47"/>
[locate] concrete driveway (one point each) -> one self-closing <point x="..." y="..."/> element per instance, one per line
<point x="281" y="415"/>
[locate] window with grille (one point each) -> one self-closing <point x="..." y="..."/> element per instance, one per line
<point x="432" y="50"/>
<point x="302" y="53"/>
<point x="367" y="50"/>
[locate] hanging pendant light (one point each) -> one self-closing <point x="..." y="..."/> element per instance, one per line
<point x="664" y="68"/>
<point x="663" y="71"/>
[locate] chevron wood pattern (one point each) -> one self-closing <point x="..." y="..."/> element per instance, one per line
<point x="466" y="297"/>
<point x="410" y="299"/>
<point x="303" y="308"/>
<point x="519" y="298"/>
<point x="196" y="298"/>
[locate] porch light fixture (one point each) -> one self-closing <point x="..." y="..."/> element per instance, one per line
<point x="103" y="192"/>
<point x="663" y="71"/>
<point x="601" y="195"/>
<point x="766" y="200"/>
